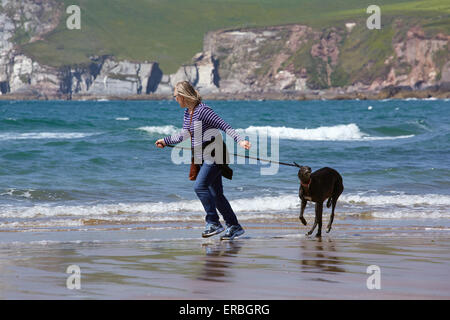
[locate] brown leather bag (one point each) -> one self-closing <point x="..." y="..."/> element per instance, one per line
<point x="193" y="172"/>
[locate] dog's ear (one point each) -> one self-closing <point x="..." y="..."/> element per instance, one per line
<point x="296" y="164"/>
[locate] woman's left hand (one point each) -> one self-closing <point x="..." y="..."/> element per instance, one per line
<point x="160" y="143"/>
<point x="245" y="144"/>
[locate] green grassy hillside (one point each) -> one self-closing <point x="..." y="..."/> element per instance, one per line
<point x="171" y="31"/>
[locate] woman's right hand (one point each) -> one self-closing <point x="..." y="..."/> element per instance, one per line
<point x="245" y="144"/>
<point x="160" y="143"/>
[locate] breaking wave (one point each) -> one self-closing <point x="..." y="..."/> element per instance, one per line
<point x="343" y="132"/>
<point x="430" y="206"/>
<point x="44" y="135"/>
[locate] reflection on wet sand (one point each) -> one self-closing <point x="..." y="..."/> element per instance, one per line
<point x="250" y="268"/>
<point x="320" y="256"/>
<point x="218" y="258"/>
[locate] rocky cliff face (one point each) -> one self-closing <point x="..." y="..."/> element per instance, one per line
<point x="202" y="73"/>
<point x="415" y="64"/>
<point x="110" y="77"/>
<point x="256" y="59"/>
<point x="22" y="22"/>
<point x="289" y="59"/>
<point x="300" y="59"/>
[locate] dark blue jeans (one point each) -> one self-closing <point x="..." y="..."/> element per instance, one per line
<point x="209" y="189"/>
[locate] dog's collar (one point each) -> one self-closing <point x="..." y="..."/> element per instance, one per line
<point x="306" y="185"/>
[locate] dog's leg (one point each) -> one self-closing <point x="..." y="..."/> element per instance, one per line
<point x="332" y="214"/>
<point x="319" y="210"/>
<point x="335" y="197"/>
<point x="313" y="227"/>
<point x="316" y="220"/>
<point x="302" y="210"/>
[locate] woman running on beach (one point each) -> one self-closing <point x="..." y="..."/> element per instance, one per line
<point x="208" y="184"/>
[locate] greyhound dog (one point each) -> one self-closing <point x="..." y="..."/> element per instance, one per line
<point x="325" y="183"/>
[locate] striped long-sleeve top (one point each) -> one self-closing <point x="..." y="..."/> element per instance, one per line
<point x="203" y="119"/>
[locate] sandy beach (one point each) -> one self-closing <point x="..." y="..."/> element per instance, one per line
<point x="271" y="261"/>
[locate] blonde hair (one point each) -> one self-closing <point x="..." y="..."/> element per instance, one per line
<point x="185" y="89"/>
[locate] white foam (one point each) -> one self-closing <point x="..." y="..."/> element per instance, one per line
<point x="169" y="129"/>
<point x="152" y="209"/>
<point x="269" y="207"/>
<point x="343" y="132"/>
<point x="43" y="135"/>
<point x="409" y="214"/>
<point x="123" y="119"/>
<point x="437" y="229"/>
<point x="398" y="200"/>
<point x="20" y="193"/>
<point x="40" y="224"/>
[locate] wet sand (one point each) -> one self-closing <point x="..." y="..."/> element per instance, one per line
<point x="269" y="262"/>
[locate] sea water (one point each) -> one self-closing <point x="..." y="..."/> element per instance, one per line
<point x="75" y="165"/>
